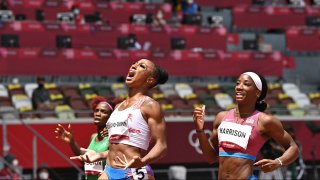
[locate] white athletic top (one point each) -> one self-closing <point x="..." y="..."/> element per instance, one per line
<point x="129" y="127"/>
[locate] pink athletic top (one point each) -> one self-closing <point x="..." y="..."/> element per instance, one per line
<point x="240" y="140"/>
<point x="129" y="127"/>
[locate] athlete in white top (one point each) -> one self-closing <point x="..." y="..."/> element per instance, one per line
<point x="135" y="122"/>
<point x="129" y="127"/>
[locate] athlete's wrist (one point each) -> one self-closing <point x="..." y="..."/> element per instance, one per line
<point x="279" y="161"/>
<point x="103" y="155"/>
<point x="72" y="141"/>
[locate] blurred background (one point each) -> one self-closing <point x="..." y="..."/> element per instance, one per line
<point x="76" y="50"/>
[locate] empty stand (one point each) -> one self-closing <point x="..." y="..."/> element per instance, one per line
<point x="202" y="48"/>
<point x="176" y="99"/>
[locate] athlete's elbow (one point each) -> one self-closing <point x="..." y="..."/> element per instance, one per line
<point x="164" y="150"/>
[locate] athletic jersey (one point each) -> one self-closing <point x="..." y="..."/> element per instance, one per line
<point x="129" y="127"/>
<point x="92" y="170"/>
<point x="240" y="140"/>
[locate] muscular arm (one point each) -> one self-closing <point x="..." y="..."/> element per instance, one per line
<point x="75" y="147"/>
<point x="274" y="129"/>
<point x="155" y="119"/>
<point x="210" y="148"/>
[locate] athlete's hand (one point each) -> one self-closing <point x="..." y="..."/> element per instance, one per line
<point x="136" y="162"/>
<point x="198" y="117"/>
<point x="65" y="135"/>
<point x="267" y="165"/>
<point x="104" y="132"/>
<point x="89" y="156"/>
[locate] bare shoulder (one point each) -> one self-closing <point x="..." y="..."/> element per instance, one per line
<point x="151" y="108"/>
<point x="151" y="103"/>
<point x="221" y="114"/>
<point x="219" y="117"/>
<point x="268" y="124"/>
<point x="93" y="135"/>
<point x="268" y="119"/>
<point x="117" y="105"/>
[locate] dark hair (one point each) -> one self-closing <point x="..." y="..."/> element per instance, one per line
<point x="261" y="105"/>
<point x="160" y="75"/>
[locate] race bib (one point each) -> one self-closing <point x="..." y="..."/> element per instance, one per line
<point x="94" y="168"/>
<point x="118" y="130"/>
<point x="234" y="136"/>
<point x="139" y="173"/>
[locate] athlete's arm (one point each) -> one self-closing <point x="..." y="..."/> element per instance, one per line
<point x="155" y="119"/>
<point x="75" y="147"/>
<point x="66" y="135"/>
<point x="90" y="156"/>
<point x="210" y="148"/>
<point x="273" y="128"/>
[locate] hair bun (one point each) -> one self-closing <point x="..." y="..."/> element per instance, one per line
<point x="162" y="76"/>
<point x="261" y="105"/>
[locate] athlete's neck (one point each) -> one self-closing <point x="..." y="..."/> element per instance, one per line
<point x="244" y="111"/>
<point x="134" y="97"/>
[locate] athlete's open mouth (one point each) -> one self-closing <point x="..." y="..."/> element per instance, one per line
<point x="130" y="75"/>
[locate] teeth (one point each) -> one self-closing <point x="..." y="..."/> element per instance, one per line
<point x="128" y="78"/>
<point x="131" y="73"/>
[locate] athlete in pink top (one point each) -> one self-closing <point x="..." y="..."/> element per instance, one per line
<point x="251" y="138"/>
<point x="132" y="125"/>
<point x="239" y="133"/>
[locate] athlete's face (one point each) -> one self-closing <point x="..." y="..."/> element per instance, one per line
<point x="141" y="74"/>
<point x="246" y="90"/>
<point x="101" y="114"/>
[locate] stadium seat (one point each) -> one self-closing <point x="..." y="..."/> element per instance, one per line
<point x="21" y="101"/>
<point x="102" y="90"/>
<point x="81" y="107"/>
<point x="290" y="89"/>
<point x="295" y="110"/>
<point x="302" y="100"/>
<point x="312" y="110"/>
<point x="285" y="99"/>
<point x="5" y="101"/>
<point x="279" y="109"/>
<point x="15" y="89"/>
<point x="3" y="91"/>
<point x="168" y="90"/>
<point x="315" y="98"/>
<point x="183" y="89"/>
<point x="29" y="88"/>
<point x="154" y="90"/>
<point x="64" y="112"/>
<point x="214" y="89"/>
<point x="200" y="90"/>
<point x="57" y="98"/>
<point x="119" y="89"/>
<point x="223" y="100"/>
<point x="207" y="99"/>
<point x="70" y="91"/>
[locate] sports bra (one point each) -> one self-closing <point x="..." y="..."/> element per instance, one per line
<point x="129" y="127"/>
<point x="240" y="140"/>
